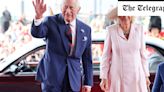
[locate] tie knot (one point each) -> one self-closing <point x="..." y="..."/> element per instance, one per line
<point x="69" y="25"/>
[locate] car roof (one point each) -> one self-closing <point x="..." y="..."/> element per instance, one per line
<point x="155" y="41"/>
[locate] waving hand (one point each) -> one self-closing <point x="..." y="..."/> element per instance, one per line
<point x="40" y="8"/>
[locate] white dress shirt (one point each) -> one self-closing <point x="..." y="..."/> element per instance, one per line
<point x="73" y="28"/>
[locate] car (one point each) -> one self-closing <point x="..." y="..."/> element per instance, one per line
<point x="17" y="71"/>
<point x="155" y="51"/>
<point x="18" y="75"/>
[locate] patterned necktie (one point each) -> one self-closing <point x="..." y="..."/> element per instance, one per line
<point x="69" y="33"/>
<point x="69" y="36"/>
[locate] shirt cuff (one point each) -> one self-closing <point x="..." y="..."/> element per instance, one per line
<point x="87" y="86"/>
<point x="103" y="73"/>
<point x="37" y="22"/>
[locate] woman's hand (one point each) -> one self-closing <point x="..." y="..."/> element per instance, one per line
<point x="148" y="81"/>
<point x="104" y="85"/>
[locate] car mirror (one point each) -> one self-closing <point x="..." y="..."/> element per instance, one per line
<point x="11" y="70"/>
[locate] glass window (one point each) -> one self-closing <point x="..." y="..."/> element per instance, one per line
<point x="28" y="63"/>
<point x="97" y="50"/>
<point x="154" y="58"/>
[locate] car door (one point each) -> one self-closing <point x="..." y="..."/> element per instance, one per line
<point x="20" y="75"/>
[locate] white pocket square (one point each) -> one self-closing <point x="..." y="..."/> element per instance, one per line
<point x="85" y="38"/>
<point x="82" y="30"/>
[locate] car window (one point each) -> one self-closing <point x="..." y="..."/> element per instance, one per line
<point x="154" y="58"/>
<point x="97" y="50"/>
<point x="27" y="63"/>
<point x="33" y="59"/>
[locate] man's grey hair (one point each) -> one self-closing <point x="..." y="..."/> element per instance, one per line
<point x="77" y="3"/>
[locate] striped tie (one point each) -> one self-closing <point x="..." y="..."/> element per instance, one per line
<point x="69" y="36"/>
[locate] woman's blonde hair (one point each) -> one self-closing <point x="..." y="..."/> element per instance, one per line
<point x="113" y="14"/>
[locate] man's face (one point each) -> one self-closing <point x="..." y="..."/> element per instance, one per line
<point x="125" y="22"/>
<point x="155" y="32"/>
<point x="70" y="9"/>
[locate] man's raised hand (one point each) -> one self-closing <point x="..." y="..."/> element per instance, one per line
<point x="40" y="8"/>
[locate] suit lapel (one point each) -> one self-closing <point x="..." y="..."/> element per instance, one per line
<point x="62" y="30"/>
<point x="79" y="37"/>
<point x="120" y="32"/>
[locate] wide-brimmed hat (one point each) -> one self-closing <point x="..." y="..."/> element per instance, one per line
<point x="112" y="14"/>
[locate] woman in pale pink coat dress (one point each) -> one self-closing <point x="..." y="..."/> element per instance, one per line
<point x="124" y="67"/>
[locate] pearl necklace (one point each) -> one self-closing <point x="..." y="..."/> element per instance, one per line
<point x="126" y="32"/>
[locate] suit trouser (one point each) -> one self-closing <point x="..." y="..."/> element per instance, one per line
<point x="65" y="87"/>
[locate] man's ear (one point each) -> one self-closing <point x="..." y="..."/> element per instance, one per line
<point x="78" y="10"/>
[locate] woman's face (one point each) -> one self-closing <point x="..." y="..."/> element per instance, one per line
<point x="125" y="22"/>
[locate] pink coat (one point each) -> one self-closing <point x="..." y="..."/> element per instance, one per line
<point x="124" y="61"/>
